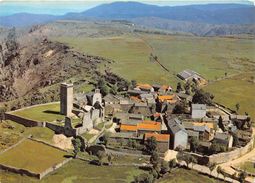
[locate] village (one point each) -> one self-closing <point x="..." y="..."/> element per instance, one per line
<point x="155" y="120"/>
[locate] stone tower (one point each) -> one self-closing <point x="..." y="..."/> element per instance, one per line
<point x="66" y="99"/>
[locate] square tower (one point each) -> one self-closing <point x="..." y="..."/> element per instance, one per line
<point x="66" y="99"/>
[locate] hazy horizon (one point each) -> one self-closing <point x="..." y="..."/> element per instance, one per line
<point x="55" y="7"/>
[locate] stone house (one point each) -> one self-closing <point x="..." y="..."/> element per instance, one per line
<point x="224" y="139"/>
<point x="142" y="108"/>
<point x="198" y="111"/>
<point x="163" y="141"/>
<point x="123" y="138"/>
<point x="179" y="136"/>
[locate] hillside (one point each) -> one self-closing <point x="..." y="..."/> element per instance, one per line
<point x="31" y="69"/>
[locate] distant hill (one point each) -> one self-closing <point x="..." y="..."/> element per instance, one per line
<point x="203" y="20"/>
<point x="200" y="29"/>
<point x="26" y="19"/>
<point x="210" y="13"/>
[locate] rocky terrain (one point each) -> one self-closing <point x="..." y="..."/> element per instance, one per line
<point x="30" y="62"/>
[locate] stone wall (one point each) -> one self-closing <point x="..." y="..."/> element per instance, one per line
<point x="19" y="171"/>
<point x="225" y="156"/>
<point x="228" y="156"/>
<point x="23" y="121"/>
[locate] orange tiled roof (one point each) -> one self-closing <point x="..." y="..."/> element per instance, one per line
<point x="168" y="98"/>
<point x="149" y="125"/>
<point x="159" y="137"/>
<point x="128" y="128"/>
<point x="209" y="125"/>
<point x="146" y="86"/>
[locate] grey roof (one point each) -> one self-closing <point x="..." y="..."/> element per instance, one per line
<point x="135" y="116"/>
<point x="110" y="98"/>
<point x="222" y="136"/>
<point x="146" y="95"/>
<point x="201" y="128"/>
<point x="239" y="117"/>
<point x="156" y="86"/>
<point x="130" y="122"/>
<point x="125" y="135"/>
<point x="185" y="74"/>
<point x="192" y="133"/>
<point x="174" y="125"/>
<point x="205" y="144"/>
<point x="198" y="107"/>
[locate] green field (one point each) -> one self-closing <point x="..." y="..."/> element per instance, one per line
<point x="238" y="89"/>
<point x="210" y="56"/>
<point x="12" y="132"/>
<point x="248" y="166"/>
<point x="187" y="176"/>
<point x="48" y="112"/>
<point x="33" y="156"/>
<point x="77" y="171"/>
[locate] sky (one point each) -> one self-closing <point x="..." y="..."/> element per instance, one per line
<point x="61" y="7"/>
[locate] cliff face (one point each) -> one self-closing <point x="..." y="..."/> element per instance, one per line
<point x="36" y="63"/>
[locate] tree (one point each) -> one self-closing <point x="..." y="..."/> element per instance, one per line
<point x="179" y="87"/>
<point x="77" y="146"/>
<point x="187" y="158"/>
<point x="101" y="84"/>
<point x="221" y="125"/>
<point x="100" y="155"/>
<point x="226" y="74"/>
<point x="194" y="143"/>
<point x="237" y="107"/>
<point x="242" y="175"/>
<point x="180" y="108"/>
<point x="202" y="97"/>
<point x="133" y="84"/>
<point x="216" y="147"/>
<point x="172" y="163"/>
<point x="219" y="170"/>
<point x="105" y="138"/>
<point x="2" y="111"/>
<point x="154" y="159"/>
<point x="109" y="158"/>
<point x="164" y="167"/>
<point x="211" y="167"/>
<point x="11" y="42"/>
<point x="187" y="87"/>
<point x="151" y="145"/>
<point x="192" y="160"/>
<point x="144" y="178"/>
<point x="114" y="89"/>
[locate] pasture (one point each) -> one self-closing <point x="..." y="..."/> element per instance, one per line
<point x="80" y="171"/>
<point x="210" y="56"/>
<point x="48" y="112"/>
<point x="32" y="156"/>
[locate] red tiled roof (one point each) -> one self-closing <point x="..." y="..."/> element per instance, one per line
<point x="159" y="137"/>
